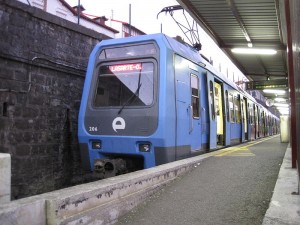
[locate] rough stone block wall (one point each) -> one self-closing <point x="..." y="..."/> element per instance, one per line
<point x="42" y="66"/>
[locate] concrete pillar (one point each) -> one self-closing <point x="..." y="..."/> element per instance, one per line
<point x="5" y="177"/>
<point x="285" y="129"/>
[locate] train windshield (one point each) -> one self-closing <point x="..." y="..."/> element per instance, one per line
<point x="125" y="84"/>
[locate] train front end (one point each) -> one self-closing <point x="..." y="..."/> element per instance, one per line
<point x="118" y="116"/>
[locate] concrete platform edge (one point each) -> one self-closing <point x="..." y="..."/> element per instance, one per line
<point x="100" y="202"/>
<point x="284" y="207"/>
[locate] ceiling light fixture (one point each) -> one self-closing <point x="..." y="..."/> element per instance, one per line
<point x="281" y="105"/>
<point x="280" y="99"/>
<point x="257" y="51"/>
<point x="274" y="91"/>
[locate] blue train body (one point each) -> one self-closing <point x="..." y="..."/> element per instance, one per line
<point x="150" y="100"/>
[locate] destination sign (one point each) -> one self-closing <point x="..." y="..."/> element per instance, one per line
<point x="267" y="84"/>
<point x="125" y="67"/>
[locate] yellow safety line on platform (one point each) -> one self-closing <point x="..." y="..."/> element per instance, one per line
<point x="237" y="151"/>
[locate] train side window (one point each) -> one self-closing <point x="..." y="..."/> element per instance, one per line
<point x="227" y="105"/>
<point x="195" y="95"/>
<point x="212" y="100"/>
<point x="237" y="105"/>
<point x="231" y="108"/>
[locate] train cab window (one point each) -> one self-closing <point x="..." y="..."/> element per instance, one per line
<point x="237" y="106"/>
<point x="231" y="108"/>
<point x="195" y="95"/>
<point x="212" y="100"/>
<point x="130" y="84"/>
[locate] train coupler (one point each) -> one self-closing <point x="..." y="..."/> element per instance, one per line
<point x="105" y="168"/>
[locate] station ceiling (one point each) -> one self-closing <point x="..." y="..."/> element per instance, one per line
<point x="240" y="23"/>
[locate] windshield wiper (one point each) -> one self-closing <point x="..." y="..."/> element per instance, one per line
<point x="132" y="97"/>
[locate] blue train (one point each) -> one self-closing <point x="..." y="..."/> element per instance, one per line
<point x="151" y="99"/>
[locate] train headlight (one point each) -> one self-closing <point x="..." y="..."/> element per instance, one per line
<point x="144" y="147"/>
<point x="96" y="145"/>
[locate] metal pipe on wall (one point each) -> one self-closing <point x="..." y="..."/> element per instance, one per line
<point x="78" y="12"/>
<point x="129" y="20"/>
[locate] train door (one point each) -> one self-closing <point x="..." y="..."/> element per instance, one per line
<point x="220" y="113"/>
<point x="259" y="122"/>
<point x="231" y="118"/>
<point x="188" y="126"/>
<point x="243" y="125"/>
<point x="251" y="122"/>
<point x="226" y="116"/>
<point x="196" y="128"/>
<point x="245" y="116"/>
<point x="266" y="124"/>
<point x="255" y="121"/>
<point x="239" y="128"/>
<point x="269" y="125"/>
<point x="263" y="124"/>
<point x="212" y="112"/>
<point x="183" y="113"/>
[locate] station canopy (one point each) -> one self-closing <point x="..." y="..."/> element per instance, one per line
<point x="236" y="25"/>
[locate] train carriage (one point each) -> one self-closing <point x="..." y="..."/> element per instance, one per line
<point x="150" y="100"/>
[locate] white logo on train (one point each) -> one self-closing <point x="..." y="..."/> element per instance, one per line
<point x="118" y="124"/>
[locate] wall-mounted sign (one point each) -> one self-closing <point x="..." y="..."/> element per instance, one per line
<point x="267" y="84"/>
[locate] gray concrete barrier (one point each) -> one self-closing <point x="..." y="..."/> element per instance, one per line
<point x="5" y="178"/>
<point x="28" y="211"/>
<point x="100" y="202"/>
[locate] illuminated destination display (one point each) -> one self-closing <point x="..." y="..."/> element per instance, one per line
<point x="126" y="67"/>
<point x="270" y="84"/>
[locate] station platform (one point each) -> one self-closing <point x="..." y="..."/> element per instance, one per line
<point x="251" y="183"/>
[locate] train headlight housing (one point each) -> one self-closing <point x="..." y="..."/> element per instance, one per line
<point x="144" y="147"/>
<point x="96" y="145"/>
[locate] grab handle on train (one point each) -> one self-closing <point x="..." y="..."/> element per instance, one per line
<point x="191" y="118"/>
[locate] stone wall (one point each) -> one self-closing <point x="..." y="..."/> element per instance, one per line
<point x="43" y="59"/>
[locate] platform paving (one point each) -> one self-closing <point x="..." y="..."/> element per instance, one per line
<point x="231" y="187"/>
<point x="284" y="207"/>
